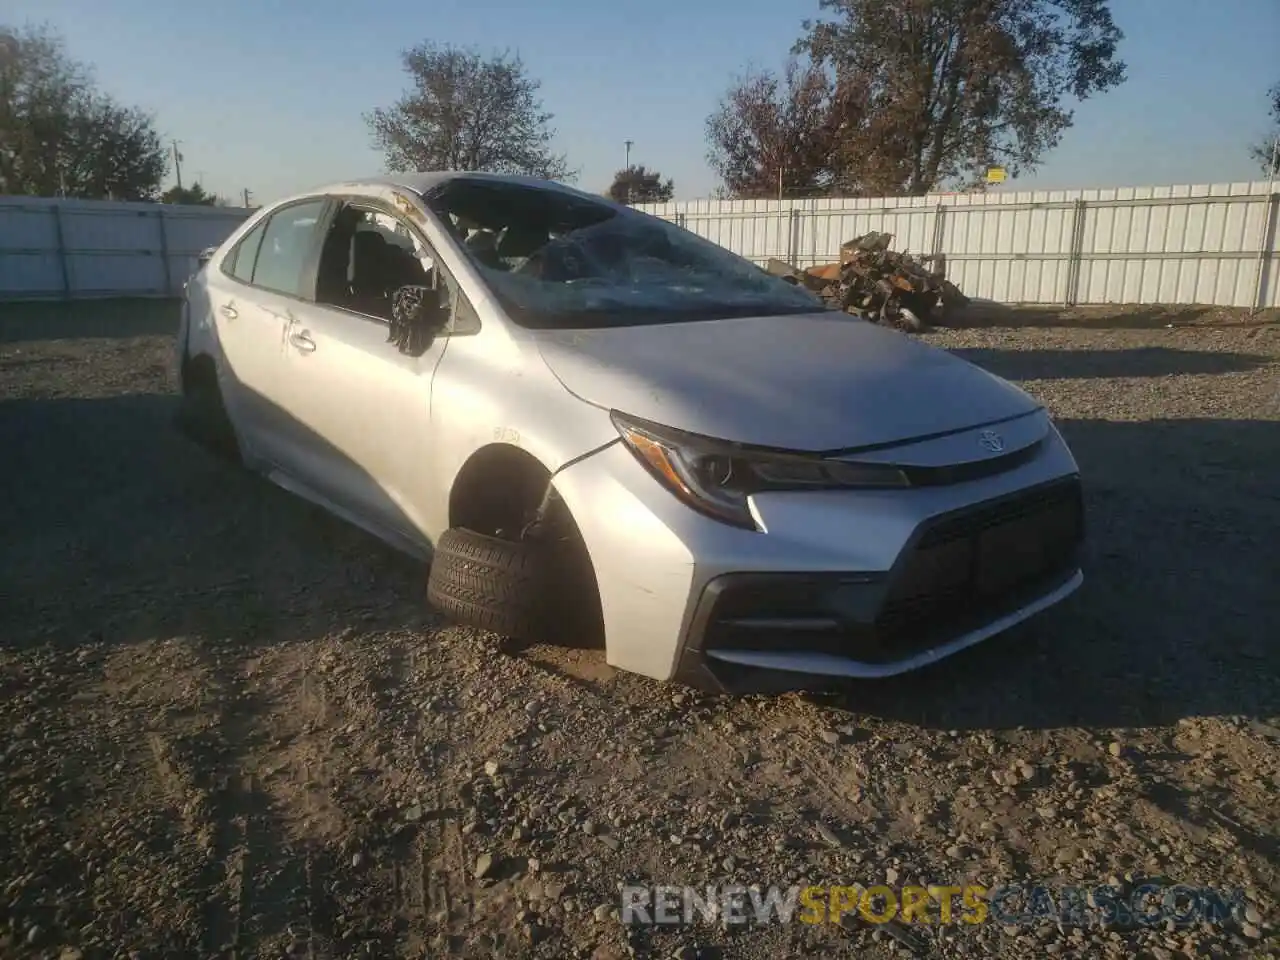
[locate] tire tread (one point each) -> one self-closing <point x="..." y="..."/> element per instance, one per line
<point x="502" y="586"/>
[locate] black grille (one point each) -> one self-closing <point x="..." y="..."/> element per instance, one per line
<point x="968" y="568"/>
<point x="963" y="571"/>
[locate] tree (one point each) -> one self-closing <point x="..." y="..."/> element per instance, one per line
<point x="638" y="185"/>
<point x="112" y="151"/>
<point x="193" y="195"/>
<point x="60" y="136"/>
<point x="773" y="132"/>
<point x="954" y="86"/>
<point x="1265" y="152"/>
<point x="468" y="112"/>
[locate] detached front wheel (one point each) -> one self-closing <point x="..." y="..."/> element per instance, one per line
<point x="513" y="588"/>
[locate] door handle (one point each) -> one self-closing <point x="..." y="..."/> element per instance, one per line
<point x="229" y="311"/>
<point x="302" y="340"/>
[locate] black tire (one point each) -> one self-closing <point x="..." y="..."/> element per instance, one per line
<point x="909" y="321"/>
<point x="917" y="312"/>
<point x="202" y="416"/>
<point x="515" y="589"/>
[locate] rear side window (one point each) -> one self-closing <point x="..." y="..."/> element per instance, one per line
<point x="241" y="260"/>
<point x="285" y="246"/>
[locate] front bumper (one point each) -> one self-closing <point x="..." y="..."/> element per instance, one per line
<point x="963" y="577"/>
<point x="843" y="584"/>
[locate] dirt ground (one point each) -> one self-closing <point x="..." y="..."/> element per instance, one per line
<point x="229" y="726"/>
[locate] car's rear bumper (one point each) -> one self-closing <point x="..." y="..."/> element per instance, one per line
<point x="852" y="584"/>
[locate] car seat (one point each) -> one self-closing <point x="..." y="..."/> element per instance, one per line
<point x="483" y="245"/>
<point x="371" y="274"/>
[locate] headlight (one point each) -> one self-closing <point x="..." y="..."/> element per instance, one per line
<point x="717" y="477"/>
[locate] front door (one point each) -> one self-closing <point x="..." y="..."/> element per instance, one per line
<point x="361" y="408"/>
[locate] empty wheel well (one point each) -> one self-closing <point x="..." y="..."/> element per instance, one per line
<point x="498" y="491"/>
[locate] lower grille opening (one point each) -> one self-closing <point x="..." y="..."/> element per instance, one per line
<point x="964" y="570"/>
<point x="972" y="567"/>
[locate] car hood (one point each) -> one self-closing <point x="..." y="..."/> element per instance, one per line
<point x="813" y="382"/>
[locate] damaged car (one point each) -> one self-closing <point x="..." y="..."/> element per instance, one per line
<point x="598" y="427"/>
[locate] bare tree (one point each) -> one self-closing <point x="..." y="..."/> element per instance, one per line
<point x="774" y="132"/>
<point x="60" y="135"/>
<point x="468" y="112"/>
<point x="638" y="185"/>
<point x="954" y="86"/>
<point x="1265" y="152"/>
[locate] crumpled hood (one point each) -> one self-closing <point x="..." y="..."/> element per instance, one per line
<point x="815" y="382"/>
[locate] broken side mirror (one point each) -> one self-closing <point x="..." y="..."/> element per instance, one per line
<point x="419" y="314"/>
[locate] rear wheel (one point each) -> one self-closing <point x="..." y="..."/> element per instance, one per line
<point x="202" y="416"/>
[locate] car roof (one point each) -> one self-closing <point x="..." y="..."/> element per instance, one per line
<point x="422" y="182"/>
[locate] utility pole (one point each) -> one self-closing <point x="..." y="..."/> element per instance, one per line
<point x="1268" y="226"/>
<point x="628" y="169"/>
<point x="177" y="164"/>
<point x="247" y="195"/>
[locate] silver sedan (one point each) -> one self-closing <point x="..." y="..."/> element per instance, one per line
<point x="600" y="427"/>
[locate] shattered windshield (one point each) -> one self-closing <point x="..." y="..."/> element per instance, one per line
<point x="562" y="260"/>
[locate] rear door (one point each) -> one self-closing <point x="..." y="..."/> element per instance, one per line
<point x="253" y="295"/>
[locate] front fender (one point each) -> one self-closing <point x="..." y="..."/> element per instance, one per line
<point x="475" y="405"/>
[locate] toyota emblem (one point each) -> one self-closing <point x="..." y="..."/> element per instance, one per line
<point x="990" y="440"/>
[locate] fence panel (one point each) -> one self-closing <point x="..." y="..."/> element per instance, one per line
<point x="52" y="247"/>
<point x="1206" y="244"/>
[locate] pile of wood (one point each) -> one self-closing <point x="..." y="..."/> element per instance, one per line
<point x="880" y="284"/>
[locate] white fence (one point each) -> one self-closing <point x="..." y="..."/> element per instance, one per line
<point x="53" y="247"/>
<point x="1203" y="244"/>
<point x="1208" y="244"/>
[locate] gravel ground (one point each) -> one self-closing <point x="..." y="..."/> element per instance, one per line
<point x="229" y="726"/>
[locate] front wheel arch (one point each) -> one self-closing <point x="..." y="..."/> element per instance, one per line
<point x="498" y="491"/>
<point x="505" y="493"/>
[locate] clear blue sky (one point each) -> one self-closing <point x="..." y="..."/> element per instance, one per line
<point x="269" y="95"/>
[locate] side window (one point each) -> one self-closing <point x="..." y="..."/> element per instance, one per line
<point x="369" y="254"/>
<point x="240" y="261"/>
<point x="286" y="244"/>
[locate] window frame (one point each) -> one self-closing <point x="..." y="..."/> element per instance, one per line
<point x="231" y="262"/>
<point x="363" y="202"/>
<point x="307" y="271"/>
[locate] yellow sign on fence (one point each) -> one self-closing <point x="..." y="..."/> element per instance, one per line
<point x="996" y="175"/>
